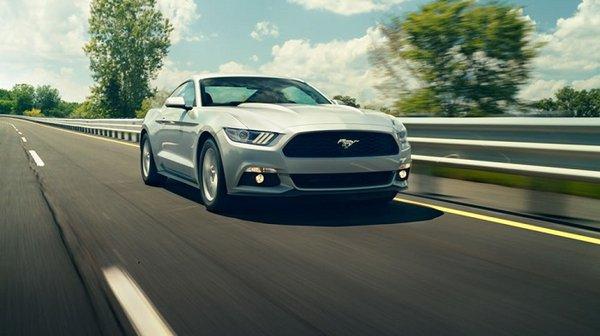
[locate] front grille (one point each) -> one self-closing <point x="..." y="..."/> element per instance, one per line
<point x="344" y="180"/>
<point x="329" y="144"/>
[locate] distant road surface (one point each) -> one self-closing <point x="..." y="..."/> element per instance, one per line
<point x="86" y="248"/>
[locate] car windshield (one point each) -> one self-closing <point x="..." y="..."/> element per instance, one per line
<point x="232" y="91"/>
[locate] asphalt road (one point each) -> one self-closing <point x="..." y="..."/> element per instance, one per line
<point x="278" y="268"/>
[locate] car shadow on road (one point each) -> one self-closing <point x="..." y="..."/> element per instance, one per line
<point x="314" y="212"/>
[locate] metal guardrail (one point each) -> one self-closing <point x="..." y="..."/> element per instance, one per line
<point x="472" y="143"/>
<point x="112" y="128"/>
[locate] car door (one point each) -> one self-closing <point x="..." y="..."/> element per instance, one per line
<point x="188" y="132"/>
<point x="169" y="135"/>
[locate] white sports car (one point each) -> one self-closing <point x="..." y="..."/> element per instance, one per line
<point x="269" y="136"/>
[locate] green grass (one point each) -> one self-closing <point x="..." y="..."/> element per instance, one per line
<point x="585" y="189"/>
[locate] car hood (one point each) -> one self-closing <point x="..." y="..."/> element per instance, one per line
<point x="278" y="117"/>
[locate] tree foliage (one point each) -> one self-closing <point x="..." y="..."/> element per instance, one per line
<point x="89" y="109"/>
<point x="128" y="41"/>
<point x="47" y="99"/>
<point x="7" y="104"/>
<point x="157" y="100"/>
<point x="572" y="103"/>
<point x="456" y="57"/>
<point x="23" y="96"/>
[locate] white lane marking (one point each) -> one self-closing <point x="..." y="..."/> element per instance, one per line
<point x="36" y="158"/>
<point x="143" y="315"/>
<point x="23" y="139"/>
<point x="20" y="133"/>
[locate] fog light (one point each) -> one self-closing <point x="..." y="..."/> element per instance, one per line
<point x="402" y="174"/>
<point x="260" y="178"/>
<point x="261" y="170"/>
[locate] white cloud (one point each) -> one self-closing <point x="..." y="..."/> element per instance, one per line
<point x="235" y="68"/>
<point x="571" y="55"/>
<point x="254" y="58"/>
<point x="575" y="45"/>
<point x="49" y="29"/>
<point x="171" y="75"/>
<point x="41" y="41"/>
<point x="348" y="7"/>
<point x="66" y="79"/>
<point x="264" y="29"/>
<point x="337" y="67"/>
<point x="181" y="14"/>
<point x="540" y="89"/>
<point x="586" y="84"/>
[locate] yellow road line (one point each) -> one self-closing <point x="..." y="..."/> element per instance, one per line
<point x="490" y="219"/>
<point x="85" y="134"/>
<point x="506" y="222"/>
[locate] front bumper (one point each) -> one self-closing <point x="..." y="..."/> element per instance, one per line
<point x="237" y="157"/>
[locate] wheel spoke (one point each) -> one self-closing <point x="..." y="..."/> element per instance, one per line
<point x="146" y="158"/>
<point x="210" y="176"/>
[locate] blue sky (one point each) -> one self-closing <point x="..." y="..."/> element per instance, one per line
<point x="319" y="26"/>
<point x="322" y="41"/>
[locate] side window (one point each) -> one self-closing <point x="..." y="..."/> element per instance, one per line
<point x="189" y="94"/>
<point x="177" y="92"/>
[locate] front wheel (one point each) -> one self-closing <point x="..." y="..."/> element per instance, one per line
<point x="150" y="174"/>
<point x="212" y="178"/>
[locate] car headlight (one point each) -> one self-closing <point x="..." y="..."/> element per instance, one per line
<point x="250" y="137"/>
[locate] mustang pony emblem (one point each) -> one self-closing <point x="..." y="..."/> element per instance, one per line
<point x="345" y="143"/>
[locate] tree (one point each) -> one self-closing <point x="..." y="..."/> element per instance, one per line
<point x="157" y="100"/>
<point x="422" y="101"/>
<point x="7" y="104"/>
<point x="573" y="103"/>
<point x="64" y="109"/>
<point x="347" y="100"/>
<point x="5" y="94"/>
<point x="89" y="109"/>
<point x="128" y="41"/>
<point x="469" y="57"/>
<point x="46" y="99"/>
<point x="23" y="96"/>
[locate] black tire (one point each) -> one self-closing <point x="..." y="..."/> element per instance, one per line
<point x="220" y="200"/>
<point x="151" y="177"/>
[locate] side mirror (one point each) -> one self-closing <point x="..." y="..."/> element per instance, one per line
<point x="177" y="102"/>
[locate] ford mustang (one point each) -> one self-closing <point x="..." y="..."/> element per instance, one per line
<point x="270" y="136"/>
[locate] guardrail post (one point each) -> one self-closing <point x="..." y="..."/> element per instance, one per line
<point x="537" y="204"/>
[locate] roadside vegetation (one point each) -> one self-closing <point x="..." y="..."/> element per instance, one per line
<point x="576" y="188"/>
<point x="450" y="58"/>
<point x="45" y="100"/>
<point x="456" y="58"/>
<point x="569" y="102"/>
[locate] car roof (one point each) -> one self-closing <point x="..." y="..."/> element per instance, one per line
<point x="220" y="75"/>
